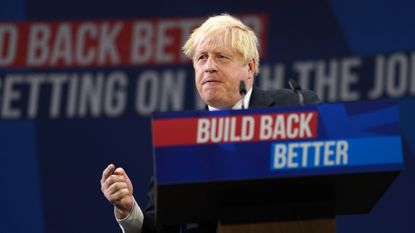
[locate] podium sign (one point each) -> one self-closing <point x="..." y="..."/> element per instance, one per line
<point x="274" y="163"/>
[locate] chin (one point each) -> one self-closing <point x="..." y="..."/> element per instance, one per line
<point x="211" y="95"/>
<point x="218" y="104"/>
<point x="212" y="101"/>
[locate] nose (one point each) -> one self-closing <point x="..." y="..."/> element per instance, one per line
<point x="210" y="65"/>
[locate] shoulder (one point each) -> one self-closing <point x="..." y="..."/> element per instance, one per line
<point x="281" y="97"/>
<point x="289" y="97"/>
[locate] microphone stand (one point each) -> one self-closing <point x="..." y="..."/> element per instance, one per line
<point x="297" y="89"/>
<point x="242" y="92"/>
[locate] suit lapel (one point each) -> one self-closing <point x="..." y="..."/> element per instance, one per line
<point x="259" y="98"/>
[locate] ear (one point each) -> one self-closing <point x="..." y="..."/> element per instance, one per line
<point x="251" y="68"/>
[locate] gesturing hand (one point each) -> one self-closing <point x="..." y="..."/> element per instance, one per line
<point x="117" y="188"/>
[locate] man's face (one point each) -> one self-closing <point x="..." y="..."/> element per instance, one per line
<point x="218" y="71"/>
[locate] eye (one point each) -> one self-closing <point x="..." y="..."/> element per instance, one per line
<point x="202" y="57"/>
<point x="220" y="56"/>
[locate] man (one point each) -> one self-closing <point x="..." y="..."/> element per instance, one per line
<point x="224" y="51"/>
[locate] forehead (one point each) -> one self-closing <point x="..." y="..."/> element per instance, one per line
<point x="215" y="44"/>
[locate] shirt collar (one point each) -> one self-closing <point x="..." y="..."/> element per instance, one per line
<point x="238" y="104"/>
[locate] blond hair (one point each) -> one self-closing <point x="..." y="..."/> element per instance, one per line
<point x="222" y="27"/>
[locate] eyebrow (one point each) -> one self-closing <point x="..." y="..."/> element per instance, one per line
<point x="227" y="53"/>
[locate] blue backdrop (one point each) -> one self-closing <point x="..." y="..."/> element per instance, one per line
<point x="52" y="162"/>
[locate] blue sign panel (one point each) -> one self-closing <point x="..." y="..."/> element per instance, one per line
<point x="343" y="138"/>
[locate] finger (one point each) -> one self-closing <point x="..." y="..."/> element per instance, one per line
<point x="107" y="172"/>
<point x="120" y="194"/>
<point x="112" y="179"/>
<point x="119" y="171"/>
<point x="125" y="174"/>
<point x="115" y="187"/>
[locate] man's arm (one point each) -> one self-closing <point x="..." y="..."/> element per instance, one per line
<point x="118" y="189"/>
<point x="133" y="223"/>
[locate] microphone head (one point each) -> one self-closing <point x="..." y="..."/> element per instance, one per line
<point x="294" y="85"/>
<point x="242" y="88"/>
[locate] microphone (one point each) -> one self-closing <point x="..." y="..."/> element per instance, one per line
<point x="242" y="92"/>
<point x="297" y="89"/>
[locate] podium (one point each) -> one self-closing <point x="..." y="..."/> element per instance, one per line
<point x="274" y="169"/>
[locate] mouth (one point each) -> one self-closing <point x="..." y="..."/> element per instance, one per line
<point x="210" y="81"/>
